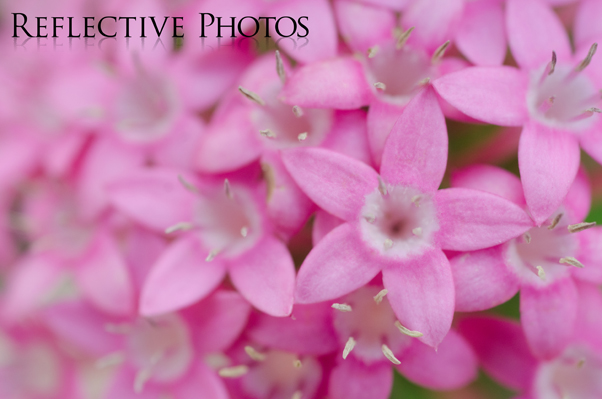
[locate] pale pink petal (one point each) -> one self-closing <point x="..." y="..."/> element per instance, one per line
<point x="382" y="116"/>
<point x="482" y="279"/>
<point x="352" y="379"/>
<point x="548" y="160"/>
<point x="495" y="95"/>
<point x="415" y="153"/>
<point x="502" y="350"/>
<point x="62" y="153"/>
<point x="142" y="248"/>
<point x="434" y="21"/>
<point x="335" y="182"/>
<point x="308" y="331"/>
<point x="590" y="254"/>
<point x="491" y="179"/>
<point x="472" y="219"/>
<point x="179" y="149"/>
<point x="421" y="293"/>
<point x="579" y="198"/>
<point x="180" y="277"/>
<point x="548" y="314"/>
<point x="265" y="276"/>
<point x="154" y="198"/>
<point x="324" y="223"/>
<point x="481" y="36"/>
<point x="104" y="277"/>
<point x="452" y="366"/>
<point x="534" y="31"/>
<point x="349" y="135"/>
<point x="589" y="323"/>
<point x="337" y="83"/>
<point x="587" y="26"/>
<point x="363" y="25"/>
<point x="339" y="264"/>
<point x="202" y="382"/>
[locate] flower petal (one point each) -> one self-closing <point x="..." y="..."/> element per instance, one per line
<point x="335" y="182"/>
<point x="324" y="223"/>
<point x="587" y="22"/>
<point x="363" y="25"/>
<point x="472" y="219"/>
<point x="202" y="382"/>
<point x="494" y="95"/>
<point x="382" y="116"/>
<point x="352" y="379"/>
<point x="548" y="314"/>
<point x="491" y="179"/>
<point x="415" y="153"/>
<point x="590" y="254"/>
<point x="339" y="264"/>
<point x="180" y="277"/>
<point x="421" y="293"/>
<point x="579" y="198"/>
<point x="349" y="135"/>
<point x="265" y="276"/>
<point x="589" y="323"/>
<point x="548" y="160"/>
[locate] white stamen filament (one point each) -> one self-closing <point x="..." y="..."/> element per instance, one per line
<point x="253" y="354"/>
<point x="110" y="360"/>
<point x="555" y="221"/>
<point x="343" y="307"/>
<point x="541" y="273"/>
<point x="298" y="111"/>
<point x="297" y="363"/>
<point x="417" y="231"/>
<point x="571" y="261"/>
<point x="228" y="189"/>
<point x="178" y="227"/>
<point x="527" y="238"/>
<point x="233" y="372"/>
<point x="244" y="231"/>
<point x="348" y="347"/>
<point x="389" y="354"/>
<point x="302" y="136"/>
<point x="575" y="228"/>
<point x="403" y="38"/>
<point x="378" y="298"/>
<point x="388" y="243"/>
<point x="267" y="133"/>
<point x="251" y="95"/>
<point x="372" y="51"/>
<point x="280" y="68"/>
<point x="187" y="185"/>
<point x="212" y="254"/>
<point x="440" y="52"/>
<point x="407" y="331"/>
<point x="380" y="86"/>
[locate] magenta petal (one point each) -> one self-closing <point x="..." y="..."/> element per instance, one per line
<point x="495" y="95"/>
<point x="452" y="366"/>
<point x="363" y="25"/>
<point x="590" y="254"/>
<point x="548" y="160"/>
<point x="352" y="379"/>
<point x="502" y="350"/>
<point x="491" y="179"/>
<point x="534" y="31"/>
<point x="421" y="293"/>
<point x="180" y="277"/>
<point x="481" y="36"/>
<point x="337" y="83"/>
<point x="349" y="135"/>
<point x="482" y="279"/>
<point x="415" y="153"/>
<point x="265" y="276"/>
<point x="472" y="219"/>
<point x="579" y="198"/>
<point x="324" y="223"/>
<point x="548" y="315"/>
<point x="339" y="264"/>
<point x="335" y="182"/>
<point x="382" y="116"/>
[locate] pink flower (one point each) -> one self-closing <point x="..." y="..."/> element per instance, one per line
<point x="397" y="222"/>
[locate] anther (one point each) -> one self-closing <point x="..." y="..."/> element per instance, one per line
<point x="187" y="185"/>
<point x="178" y="227"/>
<point x="417" y="231"/>
<point x="253" y="354"/>
<point x="575" y="228"/>
<point x="348" y="347"/>
<point x="298" y="111"/>
<point x="280" y="68"/>
<point x="302" y="136"/>
<point x="583" y="64"/>
<point x="228" y="189"/>
<point x="378" y="298"/>
<point x="141" y="379"/>
<point x="527" y="238"/>
<point x="407" y="331"/>
<point x="416" y="200"/>
<point x="297" y="395"/>
<point x="370" y="218"/>
<point x="572" y="261"/>
<point x="267" y="133"/>
<point x="581" y="363"/>
<point x="552" y="64"/>
<point x="343" y="307"/>
<point x="438" y="54"/>
<point x="251" y="95"/>
<point x="555" y="221"/>
<point x="297" y="364"/>
<point x="388" y="243"/>
<point x="380" y="86"/>
<point x="372" y="51"/>
<point x="233" y="372"/>
<point x="389" y="354"/>
<point x="547" y="104"/>
<point x="423" y="82"/>
<point x="541" y="273"/>
<point x="382" y="187"/>
<point x="403" y="38"/>
<point x="212" y="254"/>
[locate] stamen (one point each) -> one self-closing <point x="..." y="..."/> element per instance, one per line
<point x="298" y="111"/>
<point x="343" y="307"/>
<point x="389" y="354"/>
<point x="142" y="378"/>
<point x="423" y="82"/>
<point x="527" y="238"/>
<point x="541" y="273"/>
<point x="110" y="360"/>
<point x="438" y="54"/>
<point x="233" y="372"/>
<point x="228" y="189"/>
<point x="417" y="231"/>
<point x="581" y="363"/>
<point x="549" y="68"/>
<point x="297" y="395"/>
<point x="244" y="231"/>
<point x="178" y="227"/>
<point x="378" y="298"/>
<point x="212" y="254"/>
<point x="280" y="68"/>
<point x="380" y="86"/>
<point x="267" y="133"/>
<point x="403" y="38"/>
<point x="546" y="105"/>
<point x="348" y="347"/>
<point x="253" y="354"/>
<point x="416" y="200"/>
<point x="588" y="59"/>
<point x="576" y="228"/>
<point x="302" y="136"/>
<point x="372" y="51"/>
<point x="123" y="328"/>
<point x="251" y="95"/>
<point x="187" y="185"/>
<point x="555" y="221"/>
<point x="388" y="243"/>
<point x="572" y="261"/>
<point x="588" y="113"/>
<point x="407" y="331"/>
<point x="382" y="187"/>
<point x="297" y="363"/>
<point x="370" y="218"/>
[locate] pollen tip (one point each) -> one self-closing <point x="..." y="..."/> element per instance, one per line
<point x="251" y="95"/>
<point x="555" y="221"/>
<point x="403" y="37"/>
<point x="406" y="331"/>
<point x="380" y="86"/>
<point x="280" y="68"/>
<point x="541" y="273"/>
<point x="343" y="307"/>
<point x="302" y="136"/>
<point x="297" y="363"/>
<point x="440" y="52"/>
<point x="297" y="395"/>
<point x="298" y="111"/>
<point x="388" y="243"/>
<point x="382" y="187"/>
<point x="416" y="200"/>
<point x="254" y="354"/>
<point x="389" y="354"/>
<point x="233" y="372"/>
<point x="372" y="51"/>
<point x="417" y="231"/>
<point x="378" y="298"/>
<point x="527" y="238"/>
<point x="228" y="189"/>
<point x="569" y="260"/>
<point x="212" y="255"/>
<point x="187" y="185"/>
<point x="575" y="228"/>
<point x="178" y="227"/>
<point x="267" y="133"/>
<point x="370" y="218"/>
<point x="349" y="345"/>
<point x="244" y="231"/>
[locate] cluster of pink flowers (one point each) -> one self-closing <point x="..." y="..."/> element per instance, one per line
<point x="229" y="221"/>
